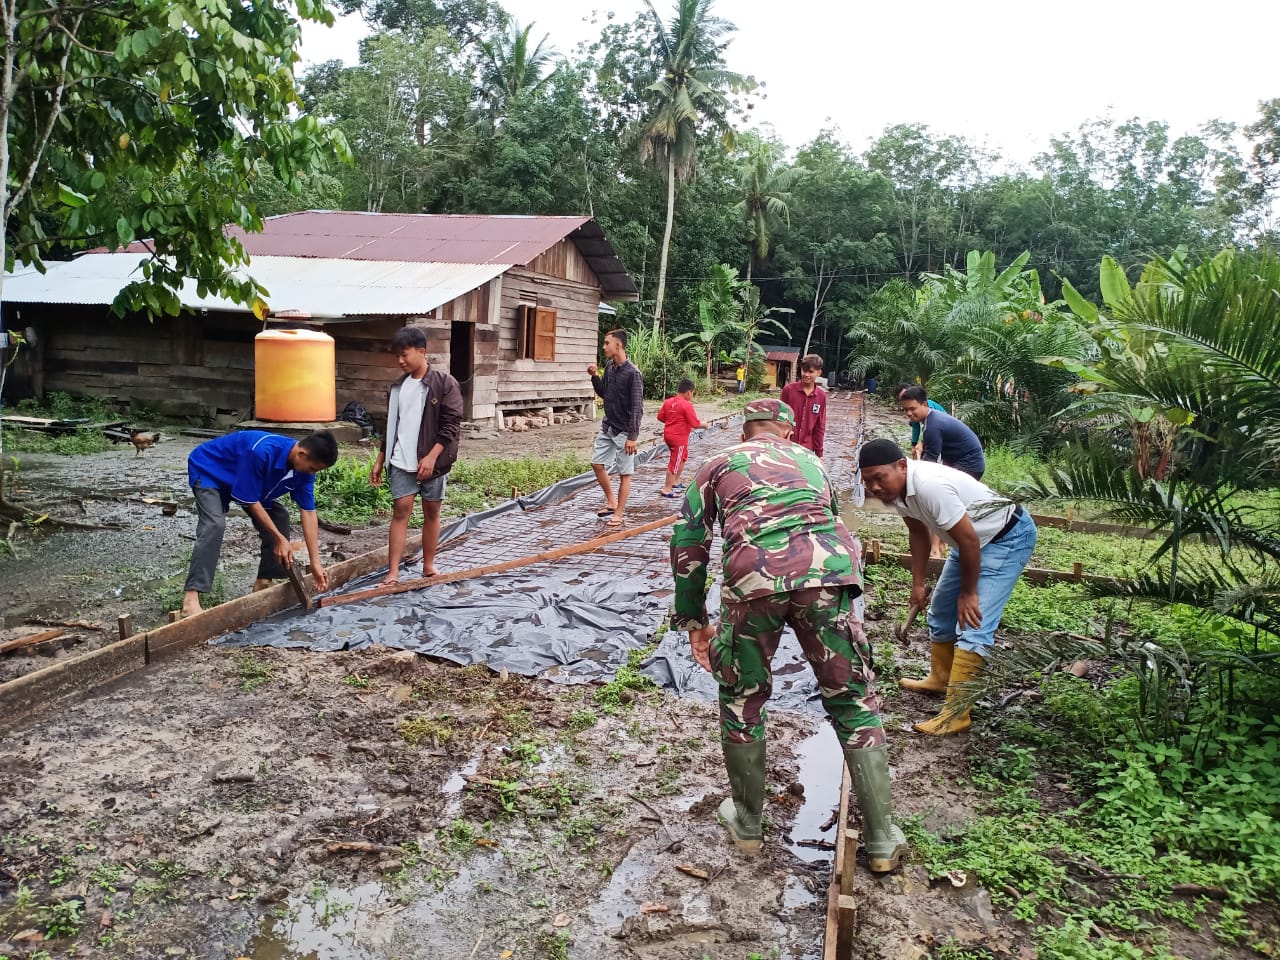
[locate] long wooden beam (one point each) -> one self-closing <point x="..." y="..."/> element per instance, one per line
<point x="837" y="939"/>
<point x="559" y="553"/>
<point x="1031" y="574"/>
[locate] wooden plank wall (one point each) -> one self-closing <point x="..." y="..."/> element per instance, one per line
<point x="196" y="366"/>
<point x="577" y="305"/>
<point x="481" y="394"/>
<point x="181" y="366"/>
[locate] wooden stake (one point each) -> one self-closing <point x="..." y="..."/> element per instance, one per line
<point x="125" y="624"/>
<point x="299" y="583"/>
<point x="557" y="554"/>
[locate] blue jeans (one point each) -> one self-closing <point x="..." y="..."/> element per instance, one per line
<point x="1003" y="561"/>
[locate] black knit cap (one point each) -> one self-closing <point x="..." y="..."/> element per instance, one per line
<point x="877" y="453"/>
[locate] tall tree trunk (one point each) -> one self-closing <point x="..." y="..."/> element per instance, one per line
<point x="10" y="25"/>
<point x="819" y="296"/>
<point x="666" y="241"/>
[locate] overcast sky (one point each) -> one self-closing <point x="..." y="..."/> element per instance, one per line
<point x="1009" y="75"/>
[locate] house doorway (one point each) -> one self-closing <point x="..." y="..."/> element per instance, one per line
<point x="462" y="360"/>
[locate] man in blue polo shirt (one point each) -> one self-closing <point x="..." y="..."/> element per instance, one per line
<point x="255" y="469"/>
<point x="946" y="440"/>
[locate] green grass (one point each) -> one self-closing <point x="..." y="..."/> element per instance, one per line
<point x="344" y="494"/>
<point x="475" y="485"/>
<point x="67" y="445"/>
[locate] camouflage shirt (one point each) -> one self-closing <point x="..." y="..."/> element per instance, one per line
<point x="781" y="525"/>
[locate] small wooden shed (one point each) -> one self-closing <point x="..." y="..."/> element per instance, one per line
<point x="510" y="305"/>
<point x="781" y="365"/>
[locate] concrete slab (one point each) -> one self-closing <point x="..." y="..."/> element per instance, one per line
<point x="343" y="431"/>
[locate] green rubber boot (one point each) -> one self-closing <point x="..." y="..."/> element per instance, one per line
<point x="742" y="812"/>
<point x="885" y="842"/>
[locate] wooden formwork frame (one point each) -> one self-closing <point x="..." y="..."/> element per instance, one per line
<point x="842" y="908"/>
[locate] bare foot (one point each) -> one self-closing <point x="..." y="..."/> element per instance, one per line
<point x="390" y="580"/>
<point x="261" y="585"/>
<point x="430" y="572"/>
<point x="191" y="611"/>
<point x="614" y="521"/>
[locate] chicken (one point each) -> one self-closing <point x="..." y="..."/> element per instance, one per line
<point x="142" y="439"/>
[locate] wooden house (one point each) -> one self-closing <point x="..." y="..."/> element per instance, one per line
<point x="510" y="306"/>
<point x="781" y="366"/>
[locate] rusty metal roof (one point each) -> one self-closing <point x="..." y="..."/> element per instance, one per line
<point x="781" y="353"/>
<point x="433" y="238"/>
<point x="316" y="288"/>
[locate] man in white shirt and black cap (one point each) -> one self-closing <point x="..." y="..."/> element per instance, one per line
<point x="992" y="539"/>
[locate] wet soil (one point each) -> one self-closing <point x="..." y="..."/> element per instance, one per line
<point x="279" y="804"/>
<point x="373" y="805"/>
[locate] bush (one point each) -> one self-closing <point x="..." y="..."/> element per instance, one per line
<point x="344" y="494"/>
<point x="659" y="362"/>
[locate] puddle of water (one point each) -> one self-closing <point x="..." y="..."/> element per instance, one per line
<point x="821" y="769"/>
<point x="623" y="894"/>
<point x="452" y="788"/>
<point x="796" y="895"/>
<point x="323" y="927"/>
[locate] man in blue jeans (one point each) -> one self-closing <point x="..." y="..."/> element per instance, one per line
<point x="992" y="539"/>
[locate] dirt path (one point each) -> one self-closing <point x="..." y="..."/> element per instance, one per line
<point x="374" y="805"/>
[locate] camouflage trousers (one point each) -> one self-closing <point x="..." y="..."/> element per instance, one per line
<point x="833" y="643"/>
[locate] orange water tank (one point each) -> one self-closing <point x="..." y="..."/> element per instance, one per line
<point x="295" y="377"/>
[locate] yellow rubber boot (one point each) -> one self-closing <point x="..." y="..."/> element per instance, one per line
<point x="954" y="718"/>
<point x="940" y="658"/>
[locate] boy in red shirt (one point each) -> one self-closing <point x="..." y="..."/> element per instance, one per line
<point x="680" y="420"/>
<point x="809" y="402"/>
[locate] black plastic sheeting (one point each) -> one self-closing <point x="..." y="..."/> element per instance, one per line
<point x="568" y="622"/>
<point x="559" y="621"/>
<point x="671" y="666"/>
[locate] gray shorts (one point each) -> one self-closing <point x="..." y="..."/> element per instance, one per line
<point x="611" y="453"/>
<point x="404" y="483"/>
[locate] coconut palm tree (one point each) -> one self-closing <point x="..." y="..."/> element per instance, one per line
<point x="510" y="66"/>
<point x="691" y="90"/>
<point x="764" y="184"/>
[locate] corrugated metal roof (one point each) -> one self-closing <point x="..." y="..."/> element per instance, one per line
<point x="323" y="288"/>
<point x="433" y="238"/>
<point x="777" y="354"/>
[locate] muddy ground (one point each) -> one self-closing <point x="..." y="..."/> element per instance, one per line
<point x="96" y="576"/>
<point x="374" y="805"/>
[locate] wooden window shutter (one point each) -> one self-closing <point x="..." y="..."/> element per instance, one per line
<point x="544" y="335"/>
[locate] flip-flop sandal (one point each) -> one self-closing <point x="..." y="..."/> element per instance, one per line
<point x="604" y="513"/>
<point x="669" y="496"/>
<point x="614" y="522"/>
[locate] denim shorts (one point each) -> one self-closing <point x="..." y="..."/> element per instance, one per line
<point x="404" y="483"/>
<point x="611" y="453"/>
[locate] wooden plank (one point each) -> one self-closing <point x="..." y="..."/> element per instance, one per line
<point x="831" y="935"/>
<point x="29" y="694"/>
<point x="1030" y="574"/>
<point x="297" y="580"/>
<point x="547" y="555"/>
<point x="33" y="692"/>
<point x="1089" y="526"/>
<point x="31" y="639"/>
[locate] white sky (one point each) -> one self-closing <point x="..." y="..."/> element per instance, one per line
<point x="1007" y="75"/>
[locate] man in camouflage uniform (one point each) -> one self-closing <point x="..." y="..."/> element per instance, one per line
<point x="788" y="559"/>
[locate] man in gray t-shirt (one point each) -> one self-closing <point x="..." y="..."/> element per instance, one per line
<point x="992" y="539"/>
